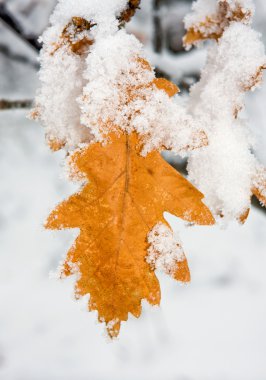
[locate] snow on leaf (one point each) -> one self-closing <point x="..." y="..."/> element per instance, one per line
<point x="115" y="211"/>
<point x="210" y="18"/>
<point x="86" y="91"/>
<point x="165" y="253"/>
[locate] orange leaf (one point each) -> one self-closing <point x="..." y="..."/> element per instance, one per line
<point x="129" y="11"/>
<point x="125" y="197"/>
<point x="163" y="84"/>
<point x="213" y="26"/>
<point x="260" y="194"/>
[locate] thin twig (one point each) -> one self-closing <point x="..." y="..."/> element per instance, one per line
<point x="15" y="104"/>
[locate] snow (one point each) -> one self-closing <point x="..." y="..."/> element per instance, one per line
<point x="201" y="9"/>
<point x="160" y="120"/>
<point x="104" y="103"/>
<point x="61" y="71"/>
<point x="211" y="16"/>
<point x="225" y="170"/>
<point x="85" y="96"/>
<point x="56" y="100"/>
<point x="103" y="12"/>
<point x="165" y="250"/>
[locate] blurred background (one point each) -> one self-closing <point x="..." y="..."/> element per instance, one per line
<point x="213" y="329"/>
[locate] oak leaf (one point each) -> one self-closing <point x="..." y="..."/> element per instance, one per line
<point x="213" y="26"/>
<point x="129" y="11"/>
<point x="124" y="198"/>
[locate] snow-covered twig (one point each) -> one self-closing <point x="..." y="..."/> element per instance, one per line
<point x="226" y="170"/>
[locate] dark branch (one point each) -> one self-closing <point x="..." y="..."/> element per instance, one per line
<point x="8" y="19"/>
<point x="157" y="27"/>
<point x="15" y="104"/>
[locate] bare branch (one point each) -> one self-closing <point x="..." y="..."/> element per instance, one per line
<point x="157" y="26"/>
<point x="12" y="23"/>
<point x="15" y="104"/>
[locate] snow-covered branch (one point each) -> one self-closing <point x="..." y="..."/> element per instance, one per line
<point x="226" y="169"/>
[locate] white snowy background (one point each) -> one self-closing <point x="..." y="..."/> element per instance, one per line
<point x="213" y="329"/>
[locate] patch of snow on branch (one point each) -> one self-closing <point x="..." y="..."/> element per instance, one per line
<point x="224" y="170"/>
